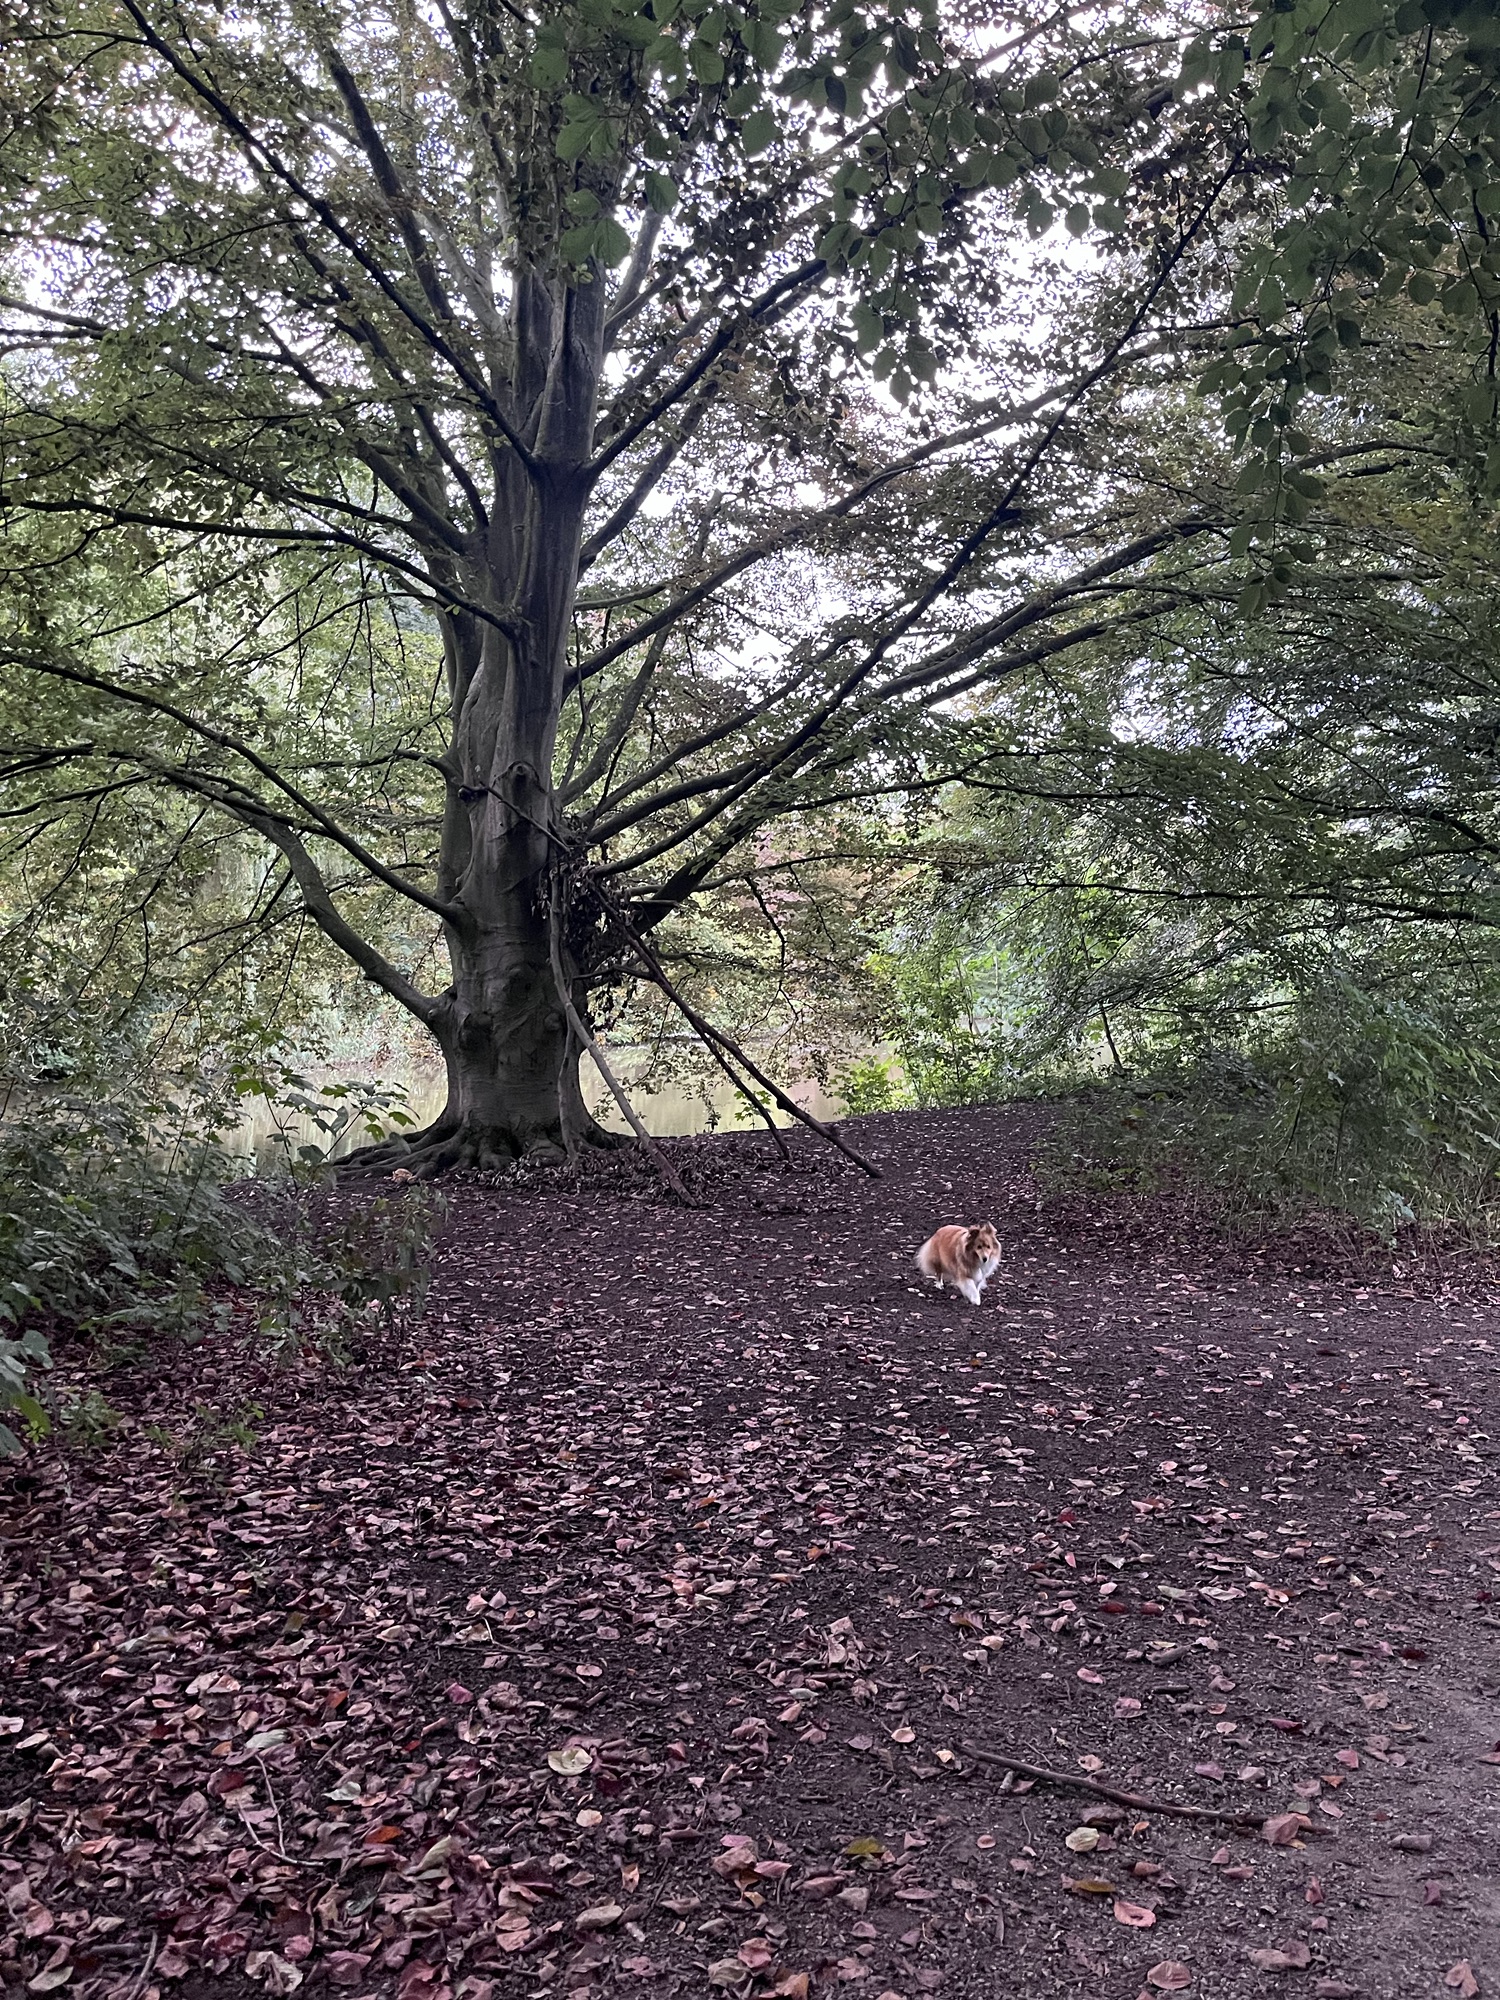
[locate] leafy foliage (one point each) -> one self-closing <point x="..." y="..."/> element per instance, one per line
<point x="120" y="1222"/>
<point x="538" y="454"/>
<point x="1357" y="1101"/>
<point x="943" y="1012"/>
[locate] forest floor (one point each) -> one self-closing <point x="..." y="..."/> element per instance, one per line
<point x="631" y="1625"/>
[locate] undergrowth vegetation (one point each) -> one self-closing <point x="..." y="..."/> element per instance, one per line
<point x="126" y="1222"/>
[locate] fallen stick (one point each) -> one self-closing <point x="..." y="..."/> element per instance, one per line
<point x="577" y="1024"/>
<point x="982" y="1756"/>
<point x="712" y="1035"/>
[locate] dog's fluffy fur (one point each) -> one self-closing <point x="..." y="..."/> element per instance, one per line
<point x="962" y="1257"/>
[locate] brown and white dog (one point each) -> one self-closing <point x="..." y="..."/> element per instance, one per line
<point x="961" y="1257"/>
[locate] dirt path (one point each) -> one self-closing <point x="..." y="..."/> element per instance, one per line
<point x="631" y="1631"/>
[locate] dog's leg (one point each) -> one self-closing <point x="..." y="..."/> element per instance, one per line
<point x="970" y="1290"/>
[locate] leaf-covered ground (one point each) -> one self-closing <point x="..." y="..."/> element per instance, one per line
<point x="632" y="1625"/>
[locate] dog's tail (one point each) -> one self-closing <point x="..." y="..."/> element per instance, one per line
<point x="926" y="1260"/>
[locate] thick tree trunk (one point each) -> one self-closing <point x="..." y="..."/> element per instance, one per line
<point x="514" y="1090"/>
<point x="513" y="1083"/>
<point x="512" y="1061"/>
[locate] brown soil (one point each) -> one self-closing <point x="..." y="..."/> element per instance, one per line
<point x="631" y="1625"/>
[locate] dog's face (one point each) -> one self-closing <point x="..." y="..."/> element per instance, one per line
<point x="984" y="1241"/>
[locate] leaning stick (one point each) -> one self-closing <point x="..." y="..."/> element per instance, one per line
<point x="750" y="1098"/>
<point x="713" y="1035"/>
<point x="576" y="1022"/>
<point x="1046" y="1777"/>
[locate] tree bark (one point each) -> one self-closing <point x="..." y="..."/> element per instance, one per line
<point x="512" y="1061"/>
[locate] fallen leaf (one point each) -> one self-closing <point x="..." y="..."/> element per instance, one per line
<point x="1134" y="1915"/>
<point x="1171" y="1976"/>
<point x="275" y="1973"/>
<point x="1083" y="1839"/>
<point x="1413" y="1843"/>
<point x="1461" y="1978"/>
<point x="598" y="1917"/>
<point x="1335" y="1989"/>
<point x="756" y="1952"/>
<point x="1289" y="1957"/>
<point x="1093" y="1679"/>
<point x="344" y="1968"/>
<point x="1283" y="1828"/>
<point x="571" y="1761"/>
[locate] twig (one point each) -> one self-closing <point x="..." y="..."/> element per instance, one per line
<point x="1046" y="1777"/>
<point x="279" y="1852"/>
<point x="751" y="1099"/>
<point x="576" y="1022"/>
<point x="145" y="1972"/>
<point x="276" y="1853"/>
<point x="275" y="1808"/>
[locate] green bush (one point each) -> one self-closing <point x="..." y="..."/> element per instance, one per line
<point x="1363" y="1102"/>
<point x="119" y="1221"/>
<point x="944" y="1011"/>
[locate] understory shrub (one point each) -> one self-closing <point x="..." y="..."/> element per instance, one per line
<point x="943" y="1013"/>
<point x="121" y="1221"/>
<point x="1376" y="1106"/>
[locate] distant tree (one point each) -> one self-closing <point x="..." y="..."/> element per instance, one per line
<point x="555" y="442"/>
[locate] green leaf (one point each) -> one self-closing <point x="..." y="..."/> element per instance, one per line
<point x="613" y="243"/>
<point x="576" y="245"/>
<point x="549" y="65"/>
<point x="763" y="43"/>
<point x="706" y="62"/>
<point x="573" y="140"/>
<point x="1077" y="219"/>
<point x="661" y="192"/>
<point x="758" y="131"/>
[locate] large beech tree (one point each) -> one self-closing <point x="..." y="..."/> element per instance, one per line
<point x="676" y="376"/>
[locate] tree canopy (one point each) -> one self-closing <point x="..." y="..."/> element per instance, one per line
<point x="484" y="480"/>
